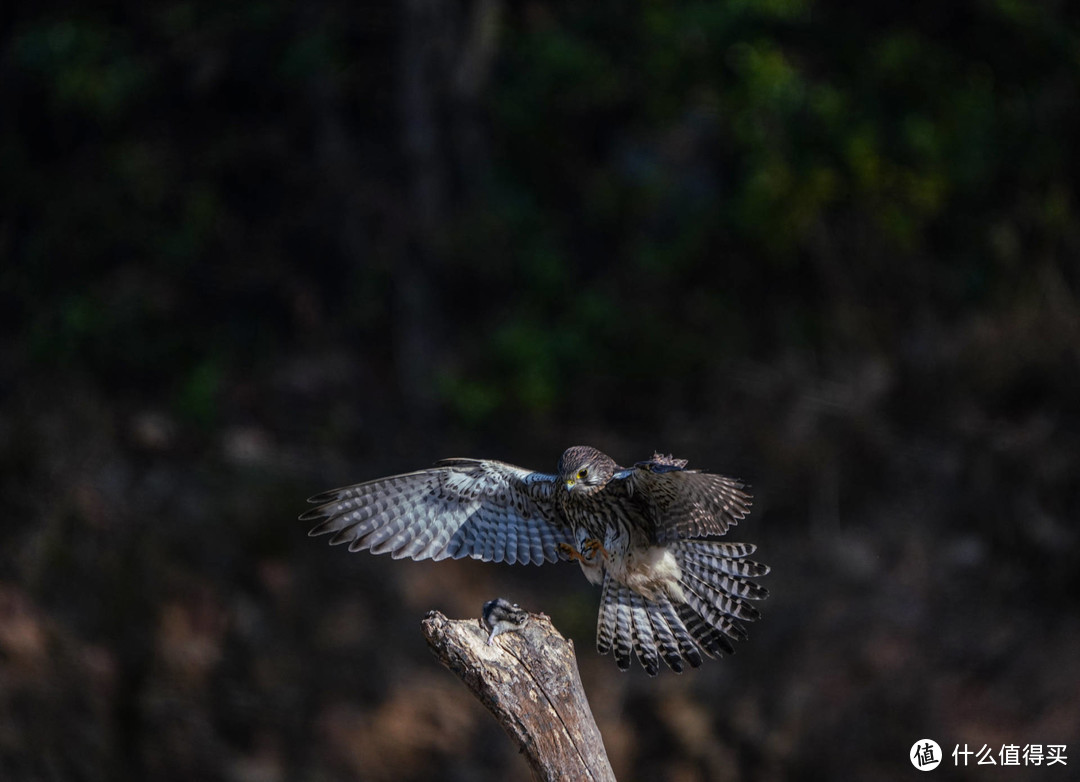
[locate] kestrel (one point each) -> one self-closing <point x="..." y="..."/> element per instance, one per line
<point x="642" y="533"/>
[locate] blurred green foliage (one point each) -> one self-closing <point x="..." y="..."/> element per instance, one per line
<point x="733" y="178"/>
<point x="669" y="184"/>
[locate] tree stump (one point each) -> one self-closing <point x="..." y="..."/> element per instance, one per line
<point x="528" y="679"/>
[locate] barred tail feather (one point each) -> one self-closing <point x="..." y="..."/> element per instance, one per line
<point x="712" y="640"/>
<point x="643" y="635"/>
<point x="673" y="654"/>
<point x="615" y="628"/>
<point x="727" y="558"/>
<point x="718" y="591"/>
<point x="719" y="597"/>
<point x="716" y="600"/>
<point x="688" y="648"/>
<point x="623" y="628"/>
<point x="651" y="630"/>
<point x="606" y="623"/>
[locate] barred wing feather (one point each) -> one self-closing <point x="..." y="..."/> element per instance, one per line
<point x="687" y="503"/>
<point x="482" y="509"/>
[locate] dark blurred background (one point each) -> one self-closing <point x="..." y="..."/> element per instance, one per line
<point x="255" y="250"/>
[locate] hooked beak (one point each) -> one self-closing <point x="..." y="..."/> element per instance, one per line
<point x="570" y="482"/>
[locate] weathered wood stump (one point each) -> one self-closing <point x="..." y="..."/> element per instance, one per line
<point x="529" y="680"/>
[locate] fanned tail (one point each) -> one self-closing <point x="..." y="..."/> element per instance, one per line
<point x="719" y="598"/>
<point x="651" y="630"/>
<point x="718" y="590"/>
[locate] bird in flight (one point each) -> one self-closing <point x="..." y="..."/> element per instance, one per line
<point x="645" y="534"/>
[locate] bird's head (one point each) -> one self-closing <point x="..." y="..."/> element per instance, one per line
<point x="585" y="470"/>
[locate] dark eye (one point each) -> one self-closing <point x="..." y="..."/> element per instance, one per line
<point x="582" y="474"/>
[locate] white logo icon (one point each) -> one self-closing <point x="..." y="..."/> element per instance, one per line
<point x="925" y="754"/>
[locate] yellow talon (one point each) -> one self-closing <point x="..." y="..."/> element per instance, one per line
<point x="588" y="552"/>
<point x="591" y="548"/>
<point x="571" y="552"/>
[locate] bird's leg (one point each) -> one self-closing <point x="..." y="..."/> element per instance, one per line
<point x="588" y="552"/>
<point x="571" y="552"/>
<point x="591" y="548"/>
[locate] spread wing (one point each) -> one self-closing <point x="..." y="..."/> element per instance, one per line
<point x="482" y="509"/>
<point x="685" y="503"/>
